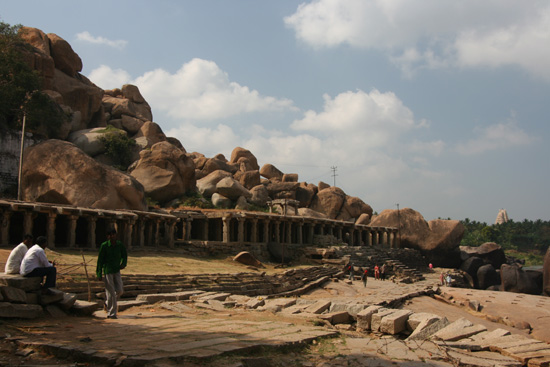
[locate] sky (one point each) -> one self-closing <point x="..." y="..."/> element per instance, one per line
<point x="436" y="105"/>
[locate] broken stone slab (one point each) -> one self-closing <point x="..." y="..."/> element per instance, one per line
<point x="176" y="306"/>
<point x="13" y="295"/>
<point x="533" y="347"/>
<point x="54" y="296"/>
<point x="22" y="311"/>
<point x="460" y="329"/>
<point x="481" y="359"/>
<point x="18" y="281"/>
<point x="524" y="358"/>
<point x="176" y="296"/>
<point x="364" y="318"/>
<point x="425" y="330"/>
<point x="68" y="301"/>
<point x="497" y="333"/>
<point x="318" y="307"/>
<point x="295" y="309"/>
<point x="54" y="311"/>
<point x="84" y="308"/>
<point x="377" y="317"/>
<point x="539" y="362"/>
<point x="124" y="305"/>
<point x="395" y="322"/>
<point x="351" y="308"/>
<point x="505" y="341"/>
<point x="213" y="297"/>
<point x="417" y="318"/>
<point x="334" y="318"/>
<point x="254" y="303"/>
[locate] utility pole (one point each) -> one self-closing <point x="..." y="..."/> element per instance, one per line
<point x="20" y="180"/>
<point x="334" y="168"/>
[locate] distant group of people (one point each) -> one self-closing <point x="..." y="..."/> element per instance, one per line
<point x="379" y="273"/>
<point x="30" y="261"/>
<point x="445" y="279"/>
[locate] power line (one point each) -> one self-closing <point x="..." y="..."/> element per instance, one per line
<point x="334" y="168"/>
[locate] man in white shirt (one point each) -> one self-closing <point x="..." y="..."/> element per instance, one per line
<point x="13" y="264"/>
<point x="36" y="264"/>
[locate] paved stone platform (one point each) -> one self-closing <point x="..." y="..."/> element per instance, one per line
<point x="153" y="336"/>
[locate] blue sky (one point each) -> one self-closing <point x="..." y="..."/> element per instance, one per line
<point x="440" y="106"/>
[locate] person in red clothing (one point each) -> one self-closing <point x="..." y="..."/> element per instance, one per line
<point x="364" y="276"/>
<point x="111" y="259"/>
<point x="376" y="272"/>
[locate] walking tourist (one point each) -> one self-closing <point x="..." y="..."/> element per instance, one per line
<point x="36" y="264"/>
<point x="364" y="276"/>
<point x="383" y="272"/>
<point x="376" y="272"/>
<point x="111" y="259"/>
<point x="350" y="268"/>
<point x="13" y="265"/>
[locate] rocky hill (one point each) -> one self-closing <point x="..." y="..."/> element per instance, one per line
<point x="82" y="163"/>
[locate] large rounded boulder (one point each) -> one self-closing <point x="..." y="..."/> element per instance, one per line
<point x="165" y="172"/>
<point x="489" y="252"/>
<point x="515" y="279"/>
<point x="56" y="171"/>
<point x="438" y="240"/>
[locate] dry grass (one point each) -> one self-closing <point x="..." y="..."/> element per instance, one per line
<point x="165" y="262"/>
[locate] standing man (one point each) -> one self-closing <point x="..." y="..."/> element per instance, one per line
<point x="36" y="264"/>
<point x="111" y="259"/>
<point x="364" y="276"/>
<point x="13" y="265"/>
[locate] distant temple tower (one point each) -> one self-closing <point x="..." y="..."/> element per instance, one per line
<point x="502" y="217"/>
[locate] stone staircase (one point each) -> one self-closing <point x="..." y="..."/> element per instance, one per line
<point x="405" y="264"/>
<point x="249" y="284"/>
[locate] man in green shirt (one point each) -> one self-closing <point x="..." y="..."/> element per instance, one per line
<point x="111" y="259"/>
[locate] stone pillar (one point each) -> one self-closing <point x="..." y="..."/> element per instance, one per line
<point x="351" y="237"/>
<point x="277" y="231"/>
<point x="141" y="239"/>
<point x="5" y="227"/>
<point x="300" y="233"/>
<point x="240" y="230"/>
<point x="71" y="235"/>
<point x="128" y="230"/>
<point x="188" y="224"/>
<point x="254" y="231"/>
<point x="226" y="229"/>
<point x="157" y="233"/>
<point x="169" y="228"/>
<point x="330" y="230"/>
<point x="288" y="231"/>
<point x="311" y="232"/>
<point x="339" y="233"/>
<point x="369" y="238"/>
<point x="92" y="222"/>
<point x="50" y="229"/>
<point x="266" y="230"/>
<point x="385" y="237"/>
<point x="360" y="237"/>
<point x="27" y="223"/>
<point x="205" y="230"/>
<point x="391" y="238"/>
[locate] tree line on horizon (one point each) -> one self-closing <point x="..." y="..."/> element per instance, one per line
<point x="525" y="236"/>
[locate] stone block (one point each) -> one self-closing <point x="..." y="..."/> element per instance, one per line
<point x="395" y="322"/>
<point x="334" y="318"/>
<point x="424" y="330"/>
<point x="254" y="303"/>
<point x="13" y="295"/>
<point x="54" y="311"/>
<point x="84" y="308"/>
<point x="32" y="298"/>
<point x="460" y="329"/>
<point x="211" y="297"/>
<point x="22" y="311"/>
<point x="124" y="305"/>
<point x="377" y="318"/>
<point x="54" y="296"/>
<point x="351" y="308"/>
<point x="318" y="307"/>
<point x="417" y="318"/>
<point x="20" y="282"/>
<point x="176" y="296"/>
<point x="364" y="318"/>
<point x="68" y="301"/>
<point x="497" y="333"/>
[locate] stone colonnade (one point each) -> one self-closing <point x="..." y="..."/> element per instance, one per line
<point x="74" y="227"/>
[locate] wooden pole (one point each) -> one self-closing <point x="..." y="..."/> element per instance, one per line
<point x="87" y="277"/>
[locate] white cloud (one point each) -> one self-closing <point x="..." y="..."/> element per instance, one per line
<point x="107" y="78"/>
<point x="498" y="136"/>
<point x="205" y="140"/>
<point x="87" y="37"/>
<point x="359" y="116"/>
<point x="433" y="33"/>
<point x="200" y="90"/>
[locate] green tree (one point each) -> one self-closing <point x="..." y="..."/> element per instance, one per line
<point x="20" y="88"/>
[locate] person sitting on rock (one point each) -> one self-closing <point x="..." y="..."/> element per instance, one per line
<point x="13" y="265"/>
<point x="36" y="264"/>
